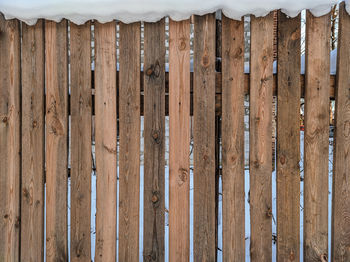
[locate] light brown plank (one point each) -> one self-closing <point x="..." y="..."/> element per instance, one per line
<point x="204" y="138"/>
<point x="233" y="233"/>
<point x="129" y="132"/>
<point x="341" y="175"/>
<point x="179" y="140"/>
<point x="33" y="142"/>
<point x="154" y="137"/>
<point x="56" y="71"/>
<point x="316" y="137"/>
<point x="106" y="141"/>
<point x="288" y="139"/>
<point x="260" y="137"/>
<point x="80" y="65"/>
<point x="10" y="139"/>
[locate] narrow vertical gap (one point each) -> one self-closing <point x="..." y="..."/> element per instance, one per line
<point x="302" y="101"/>
<point x="69" y="141"/>
<point x="191" y="146"/>
<point x="166" y="140"/>
<point x="93" y="155"/>
<point x="246" y="140"/>
<point x="141" y="207"/>
<point x="118" y="137"/>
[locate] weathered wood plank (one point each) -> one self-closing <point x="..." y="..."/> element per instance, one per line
<point x="33" y="142"/>
<point x="179" y="140"/>
<point x="233" y="233"/>
<point x="260" y="137"/>
<point x="204" y="138"/>
<point x="288" y="139"/>
<point x="129" y="131"/>
<point x="106" y="141"/>
<point x="56" y="70"/>
<point x="154" y="141"/>
<point x="80" y="104"/>
<point x="10" y="139"/>
<point x="341" y="175"/>
<point x="316" y="137"/>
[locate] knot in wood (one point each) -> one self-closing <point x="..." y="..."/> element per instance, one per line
<point x="205" y="60"/>
<point x="291" y="256"/>
<point x="156" y="136"/>
<point x="182" y="177"/>
<point x="155" y="198"/>
<point x="153" y="70"/>
<point x="4" y="120"/>
<point x="35" y="123"/>
<point x="269" y="212"/>
<point x="182" y="44"/>
<point x="282" y="159"/>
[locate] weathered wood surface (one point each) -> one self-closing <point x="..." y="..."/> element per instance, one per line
<point x="316" y="138"/>
<point x="33" y="143"/>
<point x="233" y="218"/>
<point x="56" y="72"/>
<point x="341" y="175"/>
<point x="106" y="141"/>
<point x="260" y="137"/>
<point x="288" y="139"/>
<point x="179" y="140"/>
<point x="129" y="130"/>
<point x="154" y="141"/>
<point x="81" y="162"/>
<point x="204" y="138"/>
<point x="10" y="139"/>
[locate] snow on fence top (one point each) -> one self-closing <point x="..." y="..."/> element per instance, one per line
<point x="79" y="11"/>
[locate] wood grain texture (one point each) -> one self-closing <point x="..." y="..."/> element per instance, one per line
<point x="204" y="138"/>
<point x="33" y="143"/>
<point x="154" y="141"/>
<point x="106" y="141"/>
<point x="81" y="162"/>
<point x="341" y="175"/>
<point x="10" y="139"/>
<point x="316" y="138"/>
<point x="56" y="71"/>
<point x="233" y="218"/>
<point x="260" y="137"/>
<point x="129" y="128"/>
<point x="288" y="139"/>
<point x="179" y="140"/>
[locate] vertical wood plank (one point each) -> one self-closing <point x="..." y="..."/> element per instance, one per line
<point x="204" y="138"/>
<point x="80" y="59"/>
<point x="288" y="138"/>
<point x="233" y="140"/>
<point x="341" y="175"/>
<point x="106" y="141"/>
<point x="33" y="142"/>
<point x="154" y="138"/>
<point x="10" y="139"/>
<point x="56" y="70"/>
<point x="317" y="84"/>
<point x="260" y="137"/>
<point x="129" y="130"/>
<point x="179" y="140"/>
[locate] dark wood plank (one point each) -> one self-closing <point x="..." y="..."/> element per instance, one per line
<point x="204" y="138"/>
<point x="154" y="141"/>
<point x="106" y="141"/>
<point x="260" y="137"/>
<point x="318" y="31"/>
<point x="56" y="71"/>
<point x="33" y="142"/>
<point x="179" y="140"/>
<point x="80" y="104"/>
<point x="10" y="139"/>
<point x="288" y="139"/>
<point x="233" y="234"/>
<point x="129" y="128"/>
<point x="341" y="175"/>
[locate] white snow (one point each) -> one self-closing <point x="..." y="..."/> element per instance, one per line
<point x="79" y="11"/>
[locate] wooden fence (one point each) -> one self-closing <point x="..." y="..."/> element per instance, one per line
<point x="47" y="89"/>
